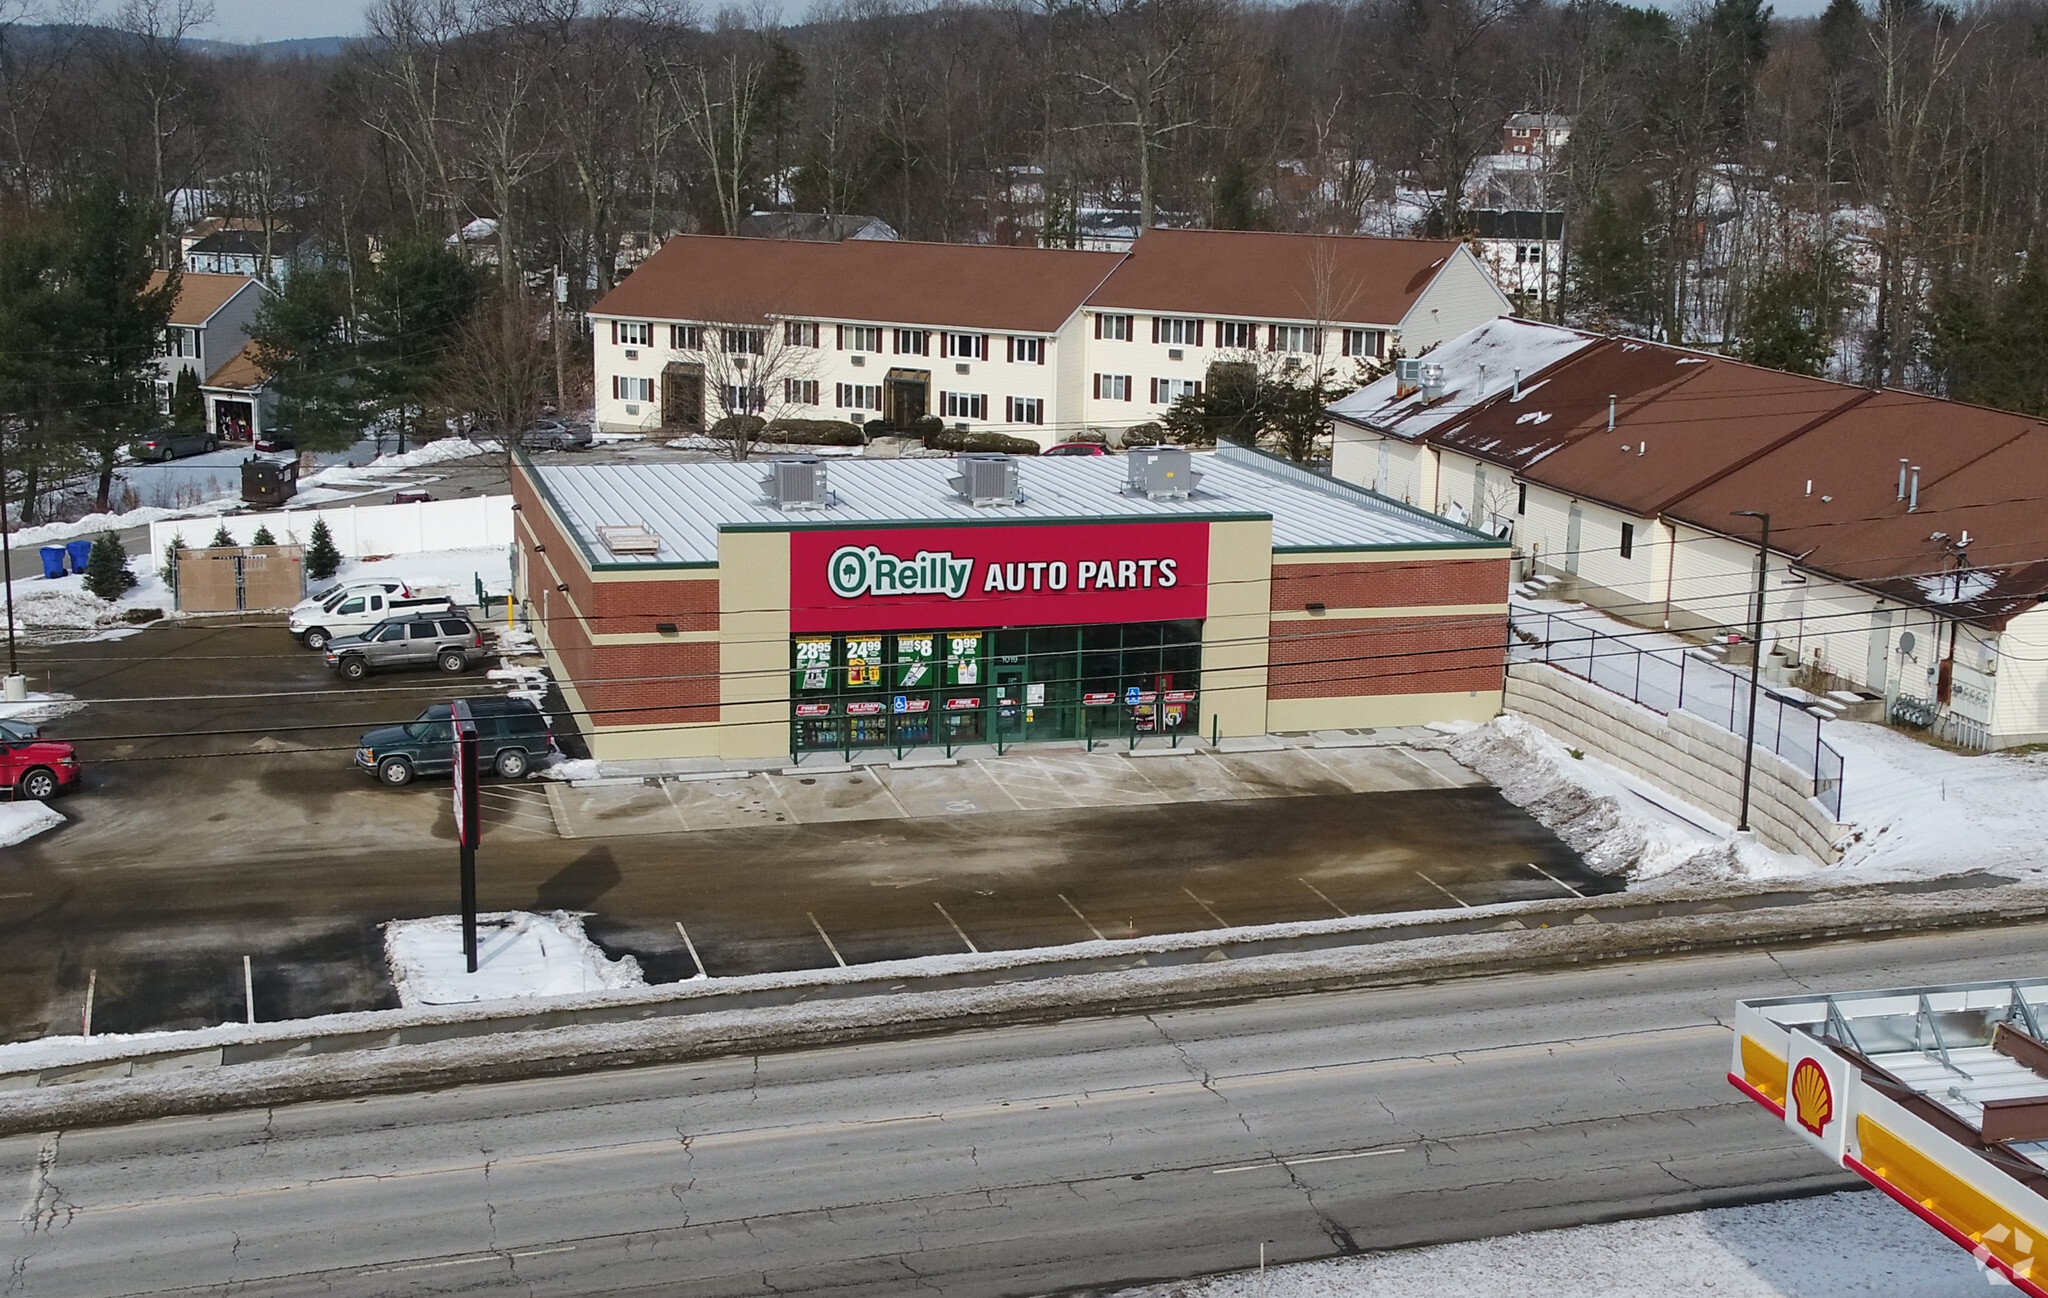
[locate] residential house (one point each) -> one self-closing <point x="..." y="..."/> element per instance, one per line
<point x="1904" y="560"/>
<point x="1035" y="342"/>
<point x="266" y="256"/>
<point x="240" y="405"/>
<point x="814" y="227"/>
<point x="1538" y="133"/>
<point x="210" y="324"/>
<point x="1524" y="251"/>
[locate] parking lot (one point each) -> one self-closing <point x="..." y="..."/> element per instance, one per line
<point x="221" y="818"/>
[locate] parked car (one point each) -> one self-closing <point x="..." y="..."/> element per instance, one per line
<point x="1077" y="448"/>
<point x="554" y="435"/>
<point x="17" y="731"/>
<point x="443" y="639"/>
<point x="327" y="597"/>
<point x="357" y="611"/>
<point x="167" y="444"/>
<point x="511" y="738"/>
<point x="411" y="497"/>
<point x="275" y="441"/>
<point x="38" y="768"/>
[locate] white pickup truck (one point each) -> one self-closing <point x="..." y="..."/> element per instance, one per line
<point x="355" y="610"/>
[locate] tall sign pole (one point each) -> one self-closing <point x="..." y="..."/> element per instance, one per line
<point x="1756" y="653"/>
<point x="6" y="560"/>
<point x="466" y="823"/>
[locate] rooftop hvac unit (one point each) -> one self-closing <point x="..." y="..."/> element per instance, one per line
<point x="1161" y="473"/>
<point x="1407" y="376"/>
<point x="988" y="478"/>
<point x="797" y="483"/>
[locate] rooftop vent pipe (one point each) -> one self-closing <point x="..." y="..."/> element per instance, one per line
<point x="1518" y="383"/>
<point x="1432" y="377"/>
<point x="1902" y="479"/>
<point x="1610" y="412"/>
<point x="1913" y="492"/>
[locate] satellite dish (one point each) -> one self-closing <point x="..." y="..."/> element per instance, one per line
<point x="1906" y="643"/>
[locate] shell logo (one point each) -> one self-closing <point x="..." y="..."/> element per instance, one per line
<point x="1813" y="1100"/>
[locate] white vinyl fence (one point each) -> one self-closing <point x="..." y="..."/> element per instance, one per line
<point x="359" y="530"/>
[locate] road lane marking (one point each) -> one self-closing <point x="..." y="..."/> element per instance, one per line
<point x="1205" y="907"/>
<point x="828" y="939"/>
<point x="1295" y="1162"/>
<point x="1445" y="891"/>
<point x="1554" y="879"/>
<point x="1083" y="918"/>
<point x="543" y="1252"/>
<point x="430" y="1266"/>
<point x="957" y="929"/>
<point x="1319" y="892"/>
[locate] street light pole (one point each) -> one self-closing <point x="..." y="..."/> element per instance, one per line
<point x="6" y="561"/>
<point x="1756" y="653"/>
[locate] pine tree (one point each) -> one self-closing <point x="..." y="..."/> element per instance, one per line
<point x="322" y="558"/>
<point x="106" y="572"/>
<point x="263" y="537"/>
<point x="169" y="572"/>
<point x="222" y="540"/>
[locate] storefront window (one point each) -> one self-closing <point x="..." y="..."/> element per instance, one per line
<point x="911" y="689"/>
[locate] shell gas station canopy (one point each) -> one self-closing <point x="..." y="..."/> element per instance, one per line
<point x="1937" y="1096"/>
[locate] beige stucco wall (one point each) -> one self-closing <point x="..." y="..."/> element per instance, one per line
<point x="1234" y="634"/>
<point x="753" y="624"/>
<point x="1296" y="716"/>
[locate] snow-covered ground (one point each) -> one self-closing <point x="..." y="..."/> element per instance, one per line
<point x="519" y="955"/>
<point x="64" y="604"/>
<point x="1830" y="1247"/>
<point x="439" y="572"/>
<point x="94" y="524"/>
<point x="23" y="820"/>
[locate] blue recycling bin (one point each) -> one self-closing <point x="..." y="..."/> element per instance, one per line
<point x="81" y="554"/>
<point x="53" y="561"/>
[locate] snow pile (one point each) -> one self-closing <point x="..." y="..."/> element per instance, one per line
<point x="516" y="640"/>
<point x="64" y="604"/>
<point x="519" y="955"/>
<point x="1826" y="1247"/>
<point x="439" y="572"/>
<point x="570" y="770"/>
<point x="38" y="707"/>
<point x="94" y="524"/>
<point x="23" y="820"/>
<point x="1616" y="823"/>
<point x="436" y="452"/>
<point x="529" y="683"/>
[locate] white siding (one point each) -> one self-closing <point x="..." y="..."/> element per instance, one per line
<point x="1401" y="470"/>
<point x="2019" y="700"/>
<point x="1461" y="297"/>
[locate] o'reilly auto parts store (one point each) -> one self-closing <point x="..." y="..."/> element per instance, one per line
<point x="759" y="609"/>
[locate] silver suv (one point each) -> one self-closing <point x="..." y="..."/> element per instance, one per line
<point x="416" y="641"/>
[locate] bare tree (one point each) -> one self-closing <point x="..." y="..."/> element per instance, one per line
<point x="499" y="371"/>
<point x="754" y="363"/>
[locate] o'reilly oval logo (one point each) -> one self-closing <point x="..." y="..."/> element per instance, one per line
<point x="856" y="570"/>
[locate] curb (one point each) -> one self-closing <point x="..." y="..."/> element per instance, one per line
<point x="899" y="1012"/>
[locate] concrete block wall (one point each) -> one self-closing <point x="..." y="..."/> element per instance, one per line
<point x="1690" y="758"/>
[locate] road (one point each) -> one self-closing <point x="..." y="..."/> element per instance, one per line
<point x="1033" y="1160"/>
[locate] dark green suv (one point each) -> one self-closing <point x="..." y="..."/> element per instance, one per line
<point x="511" y="737"/>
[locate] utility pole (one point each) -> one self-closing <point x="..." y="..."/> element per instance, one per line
<point x="561" y="296"/>
<point x="16" y="687"/>
<point x="1756" y="653"/>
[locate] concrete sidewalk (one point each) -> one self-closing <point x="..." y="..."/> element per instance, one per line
<point x="667" y="797"/>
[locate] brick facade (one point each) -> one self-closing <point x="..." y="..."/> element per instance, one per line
<point x="1399" y="583"/>
<point x="1355" y="657"/>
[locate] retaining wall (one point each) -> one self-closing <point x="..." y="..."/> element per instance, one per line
<point x="1692" y="759"/>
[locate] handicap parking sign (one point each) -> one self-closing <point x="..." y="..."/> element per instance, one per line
<point x="902" y="703"/>
<point x="1131" y="695"/>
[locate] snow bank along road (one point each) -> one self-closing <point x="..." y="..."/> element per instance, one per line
<point x="1028" y="1160"/>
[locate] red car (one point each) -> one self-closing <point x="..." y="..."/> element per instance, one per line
<point x="1078" y="448"/>
<point x="37" y="768"/>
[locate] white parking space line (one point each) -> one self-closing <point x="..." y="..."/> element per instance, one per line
<point x="1319" y="892"/>
<point x="696" y="959"/>
<point x="1297" y="1162"/>
<point x="1220" y="922"/>
<point x="1554" y="879"/>
<point x="828" y="939"/>
<point x="1445" y="891"/>
<point x="1083" y="918"/>
<point x="957" y="929"/>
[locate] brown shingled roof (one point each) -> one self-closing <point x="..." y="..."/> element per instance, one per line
<point x="242" y="371"/>
<point x="1249" y="274"/>
<point x="200" y="295"/>
<point x="972" y="286"/>
<point x="1698" y="437"/>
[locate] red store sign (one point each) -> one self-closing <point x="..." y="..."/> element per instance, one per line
<point x="893" y="579"/>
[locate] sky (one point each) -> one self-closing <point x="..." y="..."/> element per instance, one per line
<point x="255" y="21"/>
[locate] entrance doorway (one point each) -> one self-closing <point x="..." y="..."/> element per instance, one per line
<point x="682" y="397"/>
<point x="906" y="396"/>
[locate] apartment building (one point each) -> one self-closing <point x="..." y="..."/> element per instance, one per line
<point x="1033" y="342"/>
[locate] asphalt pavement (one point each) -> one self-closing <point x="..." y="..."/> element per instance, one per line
<point x="1035" y="1160"/>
